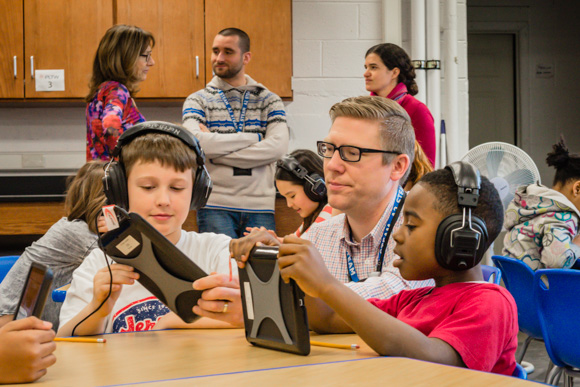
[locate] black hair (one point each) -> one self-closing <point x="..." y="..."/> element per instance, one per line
<point x="489" y="207"/>
<point x="567" y="165"/>
<point x="313" y="164"/>
<point x="244" y="41"/>
<point x="394" y="56"/>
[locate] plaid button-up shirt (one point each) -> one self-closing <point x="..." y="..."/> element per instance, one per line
<point x="332" y="238"/>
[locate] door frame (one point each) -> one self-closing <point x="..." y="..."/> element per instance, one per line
<point x="522" y="72"/>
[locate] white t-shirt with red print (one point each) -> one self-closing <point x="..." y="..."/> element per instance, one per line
<point x="136" y="308"/>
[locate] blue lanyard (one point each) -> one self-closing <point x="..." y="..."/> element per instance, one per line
<point x="239" y="126"/>
<point x="397" y="205"/>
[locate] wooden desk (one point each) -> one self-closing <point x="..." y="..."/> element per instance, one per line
<point x="223" y="357"/>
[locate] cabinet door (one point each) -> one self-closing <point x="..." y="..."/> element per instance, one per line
<point x="178" y="30"/>
<point x="269" y="25"/>
<point x="64" y="34"/>
<point x="11" y="46"/>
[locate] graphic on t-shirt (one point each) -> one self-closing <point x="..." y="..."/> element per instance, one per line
<point x="140" y="315"/>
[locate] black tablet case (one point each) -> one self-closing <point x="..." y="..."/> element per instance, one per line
<point x="163" y="269"/>
<point x="274" y="311"/>
<point x="41" y="291"/>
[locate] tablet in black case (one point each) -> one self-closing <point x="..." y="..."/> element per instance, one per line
<point x="163" y="269"/>
<point x="274" y="311"/>
<point x="35" y="291"/>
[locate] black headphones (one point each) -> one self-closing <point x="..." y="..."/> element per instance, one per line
<point x="115" y="180"/>
<point x="461" y="238"/>
<point x="314" y="186"/>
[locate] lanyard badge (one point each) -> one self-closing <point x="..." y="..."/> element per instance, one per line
<point x="395" y="211"/>
<point x="238" y="125"/>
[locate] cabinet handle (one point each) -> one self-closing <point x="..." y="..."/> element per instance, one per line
<point x="15" y="67"/>
<point x="32" y="67"/>
<point x="197" y="66"/>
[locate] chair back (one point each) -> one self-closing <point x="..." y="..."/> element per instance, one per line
<point x="558" y="305"/>
<point x="518" y="278"/>
<point x="491" y="274"/>
<point x="520" y="372"/>
<point x="6" y="263"/>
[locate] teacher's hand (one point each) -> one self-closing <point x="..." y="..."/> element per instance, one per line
<point x="220" y="299"/>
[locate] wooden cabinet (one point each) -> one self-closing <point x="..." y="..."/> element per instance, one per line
<point x="11" y="49"/>
<point x="269" y="25"/>
<point x="56" y="35"/>
<point x="178" y="28"/>
<point x="64" y="34"/>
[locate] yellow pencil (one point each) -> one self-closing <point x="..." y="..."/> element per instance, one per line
<point x="332" y="345"/>
<point x="80" y="339"/>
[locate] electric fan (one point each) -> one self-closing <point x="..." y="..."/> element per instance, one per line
<point x="505" y="165"/>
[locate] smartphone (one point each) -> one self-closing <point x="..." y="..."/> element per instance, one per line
<point x="36" y="289"/>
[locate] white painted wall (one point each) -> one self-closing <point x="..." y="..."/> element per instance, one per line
<point x="330" y="38"/>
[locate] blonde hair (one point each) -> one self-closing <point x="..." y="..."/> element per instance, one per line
<point x="421" y="166"/>
<point x="85" y="196"/>
<point x="117" y="56"/>
<point x="396" y="132"/>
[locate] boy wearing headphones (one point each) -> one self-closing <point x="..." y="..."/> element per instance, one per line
<point x="450" y="218"/>
<point x="161" y="176"/>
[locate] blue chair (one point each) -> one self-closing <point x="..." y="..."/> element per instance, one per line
<point x="519" y="372"/>
<point x="556" y="294"/>
<point x="6" y="263"/>
<point x="518" y="278"/>
<point x="491" y="274"/>
<point x="59" y="294"/>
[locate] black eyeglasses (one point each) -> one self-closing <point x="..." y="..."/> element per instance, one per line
<point x="346" y="152"/>
<point x="146" y="56"/>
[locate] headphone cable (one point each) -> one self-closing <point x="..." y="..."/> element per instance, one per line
<point x="100" y="242"/>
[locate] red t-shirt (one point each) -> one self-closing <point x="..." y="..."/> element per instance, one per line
<point x="479" y="320"/>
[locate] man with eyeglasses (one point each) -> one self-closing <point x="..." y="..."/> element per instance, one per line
<point x="367" y="152"/>
<point x="242" y="128"/>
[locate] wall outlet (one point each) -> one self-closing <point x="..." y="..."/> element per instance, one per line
<point x="33" y="161"/>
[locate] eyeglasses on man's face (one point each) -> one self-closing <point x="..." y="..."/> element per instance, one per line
<point x="347" y="152"/>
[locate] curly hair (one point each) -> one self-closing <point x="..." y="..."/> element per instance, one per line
<point x="489" y="207"/>
<point x="567" y="165"/>
<point x="394" y="56"/>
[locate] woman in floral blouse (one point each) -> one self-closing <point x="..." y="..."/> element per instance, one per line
<point x="121" y="64"/>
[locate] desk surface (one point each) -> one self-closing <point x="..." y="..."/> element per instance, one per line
<point x="223" y="357"/>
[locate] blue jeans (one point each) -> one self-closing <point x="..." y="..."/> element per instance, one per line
<point x="232" y="223"/>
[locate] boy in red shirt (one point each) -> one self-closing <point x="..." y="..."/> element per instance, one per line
<point x="462" y="320"/>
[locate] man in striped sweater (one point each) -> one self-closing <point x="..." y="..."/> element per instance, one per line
<point x="241" y="126"/>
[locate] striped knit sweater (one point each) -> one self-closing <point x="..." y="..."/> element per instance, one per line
<point x="241" y="163"/>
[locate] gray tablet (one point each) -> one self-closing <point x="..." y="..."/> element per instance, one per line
<point x="274" y="311"/>
<point x="163" y="269"/>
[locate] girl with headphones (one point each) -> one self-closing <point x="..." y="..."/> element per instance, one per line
<point x="299" y="179"/>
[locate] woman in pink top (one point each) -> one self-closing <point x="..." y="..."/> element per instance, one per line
<point x="121" y="63"/>
<point x="299" y="178"/>
<point x="390" y="74"/>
